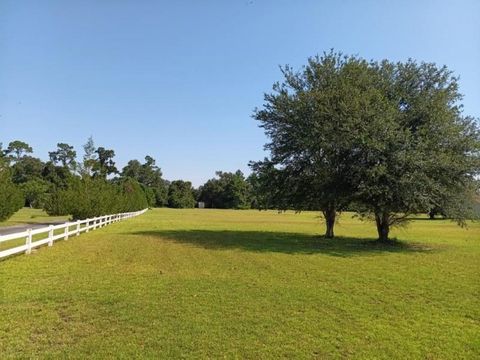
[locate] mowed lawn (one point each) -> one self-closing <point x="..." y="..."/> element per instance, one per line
<point x="31" y="216"/>
<point x="245" y="284"/>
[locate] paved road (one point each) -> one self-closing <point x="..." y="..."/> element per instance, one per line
<point x="19" y="228"/>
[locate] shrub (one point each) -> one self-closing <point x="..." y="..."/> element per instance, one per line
<point x="91" y="197"/>
<point x="150" y="195"/>
<point x="35" y="193"/>
<point x="132" y="196"/>
<point x="11" y="198"/>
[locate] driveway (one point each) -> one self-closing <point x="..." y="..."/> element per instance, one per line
<point x="19" y="228"/>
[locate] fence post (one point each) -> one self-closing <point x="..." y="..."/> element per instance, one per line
<point x="50" y="235"/>
<point x="65" y="233"/>
<point x="28" y="241"/>
<point x="78" y="227"/>
<point x="87" y="224"/>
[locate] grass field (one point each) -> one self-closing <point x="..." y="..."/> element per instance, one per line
<point x="31" y="216"/>
<point x="245" y="284"/>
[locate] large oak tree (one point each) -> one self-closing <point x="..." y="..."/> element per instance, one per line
<point x="388" y="139"/>
<point x="314" y="120"/>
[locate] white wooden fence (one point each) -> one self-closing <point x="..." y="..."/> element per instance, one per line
<point x="69" y="228"/>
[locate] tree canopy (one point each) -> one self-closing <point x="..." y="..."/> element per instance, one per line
<point x="17" y="149"/>
<point x="149" y="175"/>
<point x="227" y="191"/>
<point x="180" y="194"/>
<point x="11" y="198"/>
<point x="387" y="139"/>
<point x="65" y="155"/>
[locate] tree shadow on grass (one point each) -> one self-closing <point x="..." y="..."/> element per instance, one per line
<point x="282" y="242"/>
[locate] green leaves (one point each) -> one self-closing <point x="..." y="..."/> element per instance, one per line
<point x="180" y="194"/>
<point x="387" y="137"/>
<point x="90" y="197"/>
<point x="11" y="198"/>
<point x="150" y="176"/>
<point x="65" y="155"/>
<point x="228" y="191"/>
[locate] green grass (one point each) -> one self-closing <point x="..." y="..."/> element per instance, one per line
<point x="245" y="284"/>
<point x="31" y="216"/>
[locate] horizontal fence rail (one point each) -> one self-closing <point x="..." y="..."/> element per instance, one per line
<point x="69" y="228"/>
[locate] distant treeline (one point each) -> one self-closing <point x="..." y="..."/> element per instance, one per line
<point x="93" y="186"/>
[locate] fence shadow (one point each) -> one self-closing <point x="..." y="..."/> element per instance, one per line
<point x="282" y="242"/>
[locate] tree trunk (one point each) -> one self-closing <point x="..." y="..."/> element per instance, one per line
<point x="329" y="215"/>
<point x="383" y="226"/>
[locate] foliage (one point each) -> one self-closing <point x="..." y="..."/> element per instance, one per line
<point x="35" y="192"/>
<point x="91" y="197"/>
<point x="88" y="198"/>
<point x="3" y="157"/>
<point x="60" y="179"/>
<point x="56" y="203"/>
<point x="27" y="168"/>
<point x="161" y="193"/>
<point x="17" y="149"/>
<point x="133" y="195"/>
<point x="387" y="138"/>
<point x="11" y="198"/>
<point x="104" y="164"/>
<point x="228" y="191"/>
<point x="65" y="155"/>
<point x="149" y="195"/>
<point x="180" y="194"/>
<point x="210" y="194"/>
<point x="424" y="154"/>
<point x="256" y="195"/>
<point x="150" y="175"/>
<point x="62" y="186"/>
<point x="59" y="176"/>
<point x="89" y="158"/>
<point x="313" y="119"/>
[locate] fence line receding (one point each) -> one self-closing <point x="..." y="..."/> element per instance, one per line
<point x="69" y="228"/>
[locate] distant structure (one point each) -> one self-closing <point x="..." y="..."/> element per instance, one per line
<point x="201" y="205"/>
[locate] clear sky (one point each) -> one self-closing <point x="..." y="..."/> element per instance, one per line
<point x="178" y="80"/>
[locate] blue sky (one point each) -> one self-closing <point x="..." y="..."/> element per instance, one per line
<point x="178" y="80"/>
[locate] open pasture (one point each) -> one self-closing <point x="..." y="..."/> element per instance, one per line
<point x="245" y="284"/>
